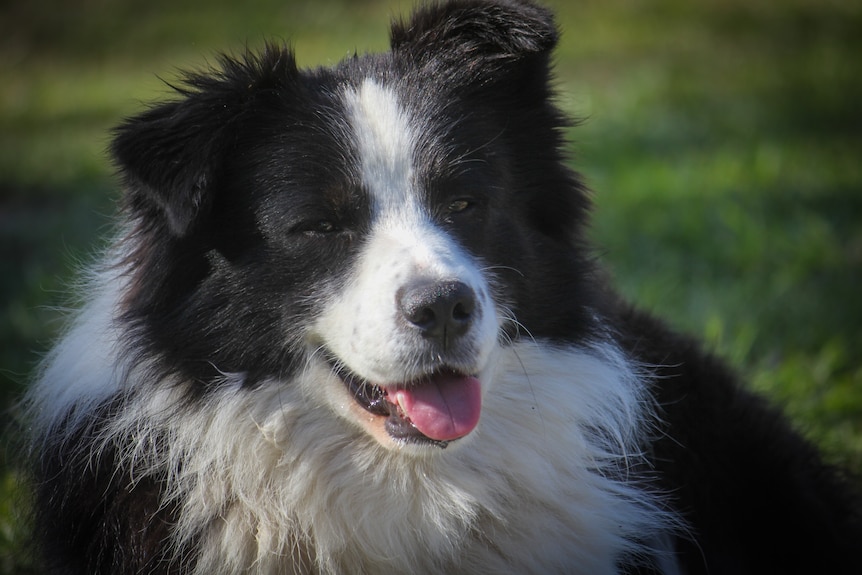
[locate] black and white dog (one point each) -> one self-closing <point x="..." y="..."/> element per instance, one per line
<point x="351" y="325"/>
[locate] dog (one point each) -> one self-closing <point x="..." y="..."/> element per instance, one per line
<point x="351" y="323"/>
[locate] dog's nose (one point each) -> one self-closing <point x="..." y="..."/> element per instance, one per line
<point x="441" y="310"/>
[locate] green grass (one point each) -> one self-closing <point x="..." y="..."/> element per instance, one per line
<point x="721" y="137"/>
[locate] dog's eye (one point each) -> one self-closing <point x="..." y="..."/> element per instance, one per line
<point x="324" y="227"/>
<point x="459" y="205"/>
<point x="317" y="227"/>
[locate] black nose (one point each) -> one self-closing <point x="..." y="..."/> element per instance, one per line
<point x="441" y="310"/>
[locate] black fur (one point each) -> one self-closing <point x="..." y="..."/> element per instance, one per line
<point x="757" y="497"/>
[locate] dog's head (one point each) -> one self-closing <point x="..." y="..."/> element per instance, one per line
<point x="383" y="227"/>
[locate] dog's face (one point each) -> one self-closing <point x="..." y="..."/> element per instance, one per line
<point x="382" y="228"/>
<point x="414" y="324"/>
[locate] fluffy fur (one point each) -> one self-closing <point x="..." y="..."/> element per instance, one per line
<point x="322" y="277"/>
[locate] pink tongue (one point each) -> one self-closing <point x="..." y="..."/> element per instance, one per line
<point x="445" y="408"/>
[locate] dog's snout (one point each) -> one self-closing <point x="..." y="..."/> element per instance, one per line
<point x="442" y="310"/>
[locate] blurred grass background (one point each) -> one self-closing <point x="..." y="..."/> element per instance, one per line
<point x="723" y="139"/>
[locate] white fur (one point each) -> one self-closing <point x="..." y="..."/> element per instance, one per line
<point x="83" y="368"/>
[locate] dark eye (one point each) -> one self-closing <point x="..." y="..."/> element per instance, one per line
<point x="316" y="227"/>
<point x="323" y="227"/>
<point x="459" y="205"/>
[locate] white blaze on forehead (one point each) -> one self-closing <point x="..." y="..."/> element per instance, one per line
<point x="385" y="138"/>
<point x="384" y="145"/>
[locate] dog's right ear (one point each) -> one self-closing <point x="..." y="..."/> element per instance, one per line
<point x="170" y="155"/>
<point x="479" y="41"/>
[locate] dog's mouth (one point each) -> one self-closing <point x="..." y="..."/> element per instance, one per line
<point x="435" y="409"/>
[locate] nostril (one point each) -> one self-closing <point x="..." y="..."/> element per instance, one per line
<point x="462" y="310"/>
<point x="423" y="317"/>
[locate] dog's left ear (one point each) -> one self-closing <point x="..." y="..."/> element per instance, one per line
<point x="170" y="156"/>
<point x="479" y="42"/>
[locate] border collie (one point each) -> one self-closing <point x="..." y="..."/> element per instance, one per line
<point x="351" y="324"/>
